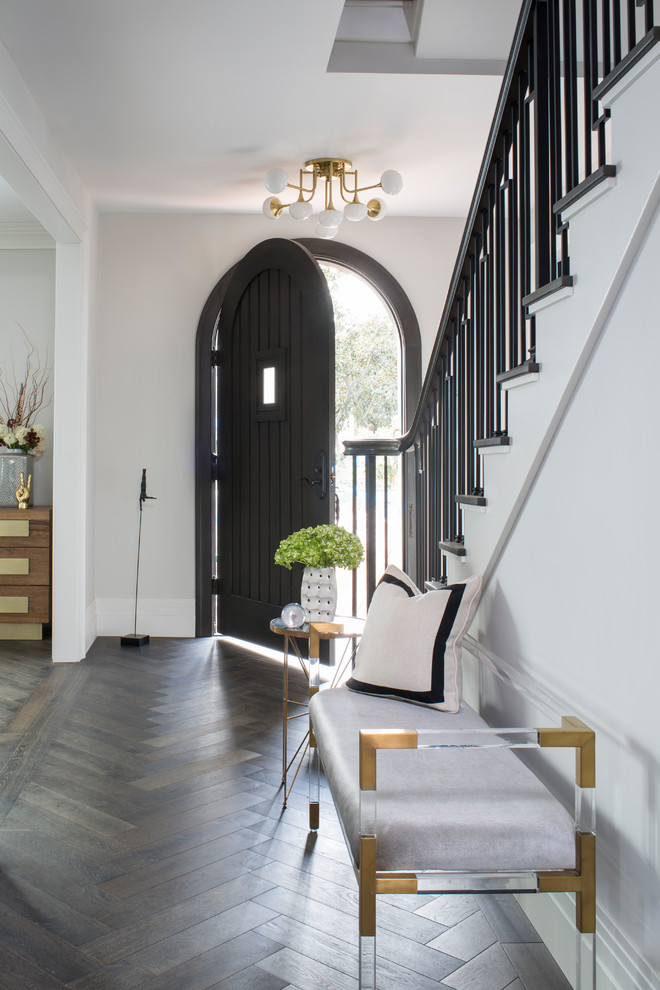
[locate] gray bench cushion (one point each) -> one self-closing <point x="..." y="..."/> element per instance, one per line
<point x="440" y="809"/>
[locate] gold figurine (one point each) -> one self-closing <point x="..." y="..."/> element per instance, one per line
<point x="23" y="493"/>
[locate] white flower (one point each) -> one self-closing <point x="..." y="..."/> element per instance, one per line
<point x="20" y="432"/>
<point x="3" y="431"/>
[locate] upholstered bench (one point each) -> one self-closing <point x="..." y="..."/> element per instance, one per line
<point x="436" y="801"/>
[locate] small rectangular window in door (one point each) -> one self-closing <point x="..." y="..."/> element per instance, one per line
<point x="269" y="384"/>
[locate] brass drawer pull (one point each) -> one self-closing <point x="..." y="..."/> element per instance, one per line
<point x="15" y="565"/>
<point x="14" y="604"/>
<point x="14" y="527"/>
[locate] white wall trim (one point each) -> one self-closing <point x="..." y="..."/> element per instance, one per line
<point x="24" y="234"/>
<point x="91" y="627"/>
<point x="156" y="616"/>
<point x="31" y="160"/>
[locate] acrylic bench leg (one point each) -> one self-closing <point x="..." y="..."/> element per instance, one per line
<point x="585" y="969"/>
<point x="314" y="782"/>
<point x="367" y="976"/>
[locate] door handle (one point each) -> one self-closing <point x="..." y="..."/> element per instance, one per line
<point x="320" y="476"/>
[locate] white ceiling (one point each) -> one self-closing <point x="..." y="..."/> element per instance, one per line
<point x="166" y="105"/>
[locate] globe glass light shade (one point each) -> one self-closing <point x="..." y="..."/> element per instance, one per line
<point x="376" y="209"/>
<point x="390" y="181"/>
<point x="326" y="232"/>
<point x="330" y="218"/>
<point x="276" y="180"/>
<point x="355" y="211"/>
<point x="267" y="207"/>
<point x="300" y="210"/>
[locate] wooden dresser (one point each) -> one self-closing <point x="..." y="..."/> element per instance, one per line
<point x="25" y="572"/>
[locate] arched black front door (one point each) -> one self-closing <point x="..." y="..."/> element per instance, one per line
<point x="289" y="256"/>
<point x="275" y="409"/>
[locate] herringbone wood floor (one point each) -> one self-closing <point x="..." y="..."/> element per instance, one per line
<point x="143" y="844"/>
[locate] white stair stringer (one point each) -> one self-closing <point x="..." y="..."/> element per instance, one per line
<point x="604" y="240"/>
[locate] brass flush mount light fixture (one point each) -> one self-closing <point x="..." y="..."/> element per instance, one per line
<point x="341" y="181"/>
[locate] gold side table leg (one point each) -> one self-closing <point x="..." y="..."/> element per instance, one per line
<point x="285" y="713"/>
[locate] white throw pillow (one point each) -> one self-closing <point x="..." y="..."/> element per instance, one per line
<point x="410" y="647"/>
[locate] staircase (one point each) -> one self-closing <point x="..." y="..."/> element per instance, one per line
<point x="607" y="225"/>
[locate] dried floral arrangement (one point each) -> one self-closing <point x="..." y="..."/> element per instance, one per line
<point x="22" y="396"/>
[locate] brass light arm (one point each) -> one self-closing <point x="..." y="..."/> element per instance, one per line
<point x="335" y="173"/>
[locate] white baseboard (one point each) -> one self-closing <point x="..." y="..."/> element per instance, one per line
<point x="156" y="616"/>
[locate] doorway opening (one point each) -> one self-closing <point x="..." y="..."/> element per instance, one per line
<point x="368" y="405"/>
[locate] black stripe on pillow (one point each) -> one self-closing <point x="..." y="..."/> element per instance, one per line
<point x="437" y="692"/>
<point x="390" y="579"/>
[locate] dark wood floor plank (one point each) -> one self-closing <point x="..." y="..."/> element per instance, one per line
<point x="184" y="862"/>
<point x="179" y="917"/>
<point x="171" y="845"/>
<point x="226" y="962"/>
<point x="224" y="926"/>
<point x="251" y="978"/>
<point x="38" y="721"/>
<point x="55" y="956"/>
<point x="76" y="842"/>
<point x="78" y="812"/>
<point x="165" y="826"/>
<point x="121" y="912"/>
<point x="19" y="973"/>
<point x="56" y="916"/>
<point x="194" y="769"/>
<point x="115" y="976"/>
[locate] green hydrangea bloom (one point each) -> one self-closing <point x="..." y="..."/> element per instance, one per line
<point x="321" y="546"/>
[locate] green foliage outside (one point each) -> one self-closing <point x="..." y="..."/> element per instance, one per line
<point x="366" y="365"/>
<point x="321" y="546"/>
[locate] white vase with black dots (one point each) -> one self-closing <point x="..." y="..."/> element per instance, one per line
<point x="318" y="594"/>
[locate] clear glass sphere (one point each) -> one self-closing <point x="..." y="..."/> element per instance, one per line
<point x="266" y="208"/>
<point x="293" y="615"/>
<point x="355" y="211"/>
<point x="326" y="232"/>
<point x="330" y="218"/>
<point x="300" y="210"/>
<point x="376" y="209"/>
<point x="390" y="181"/>
<point x="276" y="180"/>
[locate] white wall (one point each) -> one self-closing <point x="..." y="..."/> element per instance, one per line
<point x="155" y="274"/>
<point x="27" y="299"/>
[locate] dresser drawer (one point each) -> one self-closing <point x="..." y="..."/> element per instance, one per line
<point x="26" y="528"/>
<point x="24" y="565"/>
<point x="22" y="603"/>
